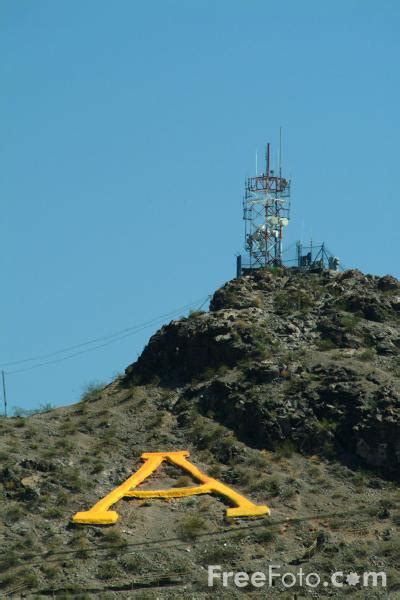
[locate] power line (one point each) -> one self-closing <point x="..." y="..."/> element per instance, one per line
<point x="99" y="339"/>
<point x="109" y="339"/>
<point x="200" y="538"/>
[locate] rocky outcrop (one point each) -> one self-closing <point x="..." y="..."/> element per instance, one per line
<point x="305" y="358"/>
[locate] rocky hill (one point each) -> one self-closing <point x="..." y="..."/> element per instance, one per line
<point x="287" y="390"/>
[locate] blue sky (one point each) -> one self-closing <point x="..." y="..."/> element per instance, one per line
<point x="127" y="129"/>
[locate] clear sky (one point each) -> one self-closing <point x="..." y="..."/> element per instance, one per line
<point x="127" y="129"/>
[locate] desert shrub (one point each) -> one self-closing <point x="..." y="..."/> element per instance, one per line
<point x="258" y="460"/>
<point x="298" y="300"/>
<point x="26" y="577"/>
<point x="97" y="467"/>
<point x="368" y="354"/>
<point x="288" y="490"/>
<point x="135" y="562"/>
<point x="68" y="426"/>
<point x="361" y="550"/>
<point x="27" y="542"/>
<point x="378" y="511"/>
<point x="325" y="344"/>
<point x="208" y="435"/>
<point x="390" y="548"/>
<point x="8" y="560"/>
<point x="268" y="485"/>
<point x="50" y="570"/>
<point x="63" y="498"/>
<point x="81" y="544"/>
<point x="82" y="409"/>
<point x="13" y="513"/>
<point x="257" y="300"/>
<point x="264" y="535"/>
<point x="313" y="470"/>
<point x="131" y="563"/>
<point x="247" y="476"/>
<point x="91" y="391"/>
<point x="387" y="503"/>
<point x="220" y="553"/>
<point x="54" y="512"/>
<point x="71" y="479"/>
<point x="192" y="526"/>
<point x="113" y="537"/>
<point x="393" y="580"/>
<point x="183" y="481"/>
<point x="107" y="570"/>
<point x="6" y="580"/>
<point x="204" y="503"/>
<point x="27" y="412"/>
<point x="139" y="395"/>
<point x="49" y="453"/>
<point x="273" y="486"/>
<point x="193" y="314"/>
<point x="65" y="444"/>
<point x="349" y="322"/>
<point x="285" y="449"/>
<point x="396" y="518"/>
<point x="215" y="470"/>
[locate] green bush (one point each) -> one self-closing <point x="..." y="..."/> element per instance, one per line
<point x="97" y="467"/>
<point x="183" y="481"/>
<point x="291" y="301"/>
<point x="349" y="322"/>
<point x="113" y="537"/>
<point x="53" y="513"/>
<point x="325" y="344"/>
<point x="107" y="570"/>
<point x="193" y="314"/>
<point x="135" y="562"/>
<point x="285" y="449"/>
<point x="92" y="391"/>
<point x="50" y="570"/>
<point x="220" y="553"/>
<point x="264" y="535"/>
<point x="26" y="578"/>
<point x="368" y="354"/>
<point x="192" y="526"/>
<point x="27" y="412"/>
<point x="71" y="479"/>
<point x="8" y="560"/>
<point x="12" y="513"/>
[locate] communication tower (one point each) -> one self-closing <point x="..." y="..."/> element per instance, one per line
<point x="266" y="211"/>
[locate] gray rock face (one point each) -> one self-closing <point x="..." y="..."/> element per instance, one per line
<point x="312" y="359"/>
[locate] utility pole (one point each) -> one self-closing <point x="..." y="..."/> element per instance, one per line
<point x="4" y="392"/>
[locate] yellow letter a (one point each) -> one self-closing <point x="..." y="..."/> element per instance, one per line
<point x="100" y="514"/>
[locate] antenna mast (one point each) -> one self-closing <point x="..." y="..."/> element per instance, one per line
<point x="266" y="207"/>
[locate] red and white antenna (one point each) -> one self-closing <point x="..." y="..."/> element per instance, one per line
<point x="266" y="209"/>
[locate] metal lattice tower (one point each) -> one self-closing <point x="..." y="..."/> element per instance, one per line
<point x="266" y="208"/>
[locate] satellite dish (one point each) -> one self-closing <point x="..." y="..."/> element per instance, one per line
<point x="273" y="220"/>
<point x="284" y="221"/>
